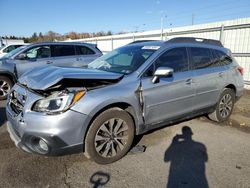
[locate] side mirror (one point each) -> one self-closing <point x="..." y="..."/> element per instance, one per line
<point x="162" y="72"/>
<point x="21" y="56"/>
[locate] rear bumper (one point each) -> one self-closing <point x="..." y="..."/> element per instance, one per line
<point x="239" y="93"/>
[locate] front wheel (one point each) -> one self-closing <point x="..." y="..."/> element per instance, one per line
<point x="110" y="136"/>
<point x="5" y="86"/>
<point x="224" y="107"/>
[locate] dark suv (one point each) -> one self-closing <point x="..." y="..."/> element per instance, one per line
<point x="63" y="54"/>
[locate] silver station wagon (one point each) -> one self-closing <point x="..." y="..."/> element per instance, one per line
<point x="22" y="59"/>
<point x="141" y="86"/>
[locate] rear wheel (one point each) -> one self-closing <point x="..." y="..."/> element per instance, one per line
<point x="5" y="86"/>
<point x="224" y="107"/>
<point x="110" y="136"/>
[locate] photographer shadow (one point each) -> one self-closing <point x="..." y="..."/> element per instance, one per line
<point x="2" y="116"/>
<point x="187" y="161"/>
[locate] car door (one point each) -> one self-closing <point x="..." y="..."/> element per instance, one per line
<point x="171" y="96"/>
<point x="85" y="55"/>
<point x="63" y="55"/>
<point x="32" y="58"/>
<point x="208" y="78"/>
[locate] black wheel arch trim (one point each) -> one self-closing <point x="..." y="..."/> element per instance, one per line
<point x="10" y="75"/>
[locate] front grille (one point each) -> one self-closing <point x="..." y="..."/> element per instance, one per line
<point x="17" y="102"/>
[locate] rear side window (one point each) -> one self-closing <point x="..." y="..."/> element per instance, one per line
<point x="221" y="58"/>
<point x="17" y="46"/>
<point x="83" y="50"/>
<point x="176" y="59"/>
<point x="62" y="50"/>
<point x="201" y="58"/>
<point x="9" y="49"/>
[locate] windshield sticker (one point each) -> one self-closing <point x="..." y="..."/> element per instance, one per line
<point x="150" y="47"/>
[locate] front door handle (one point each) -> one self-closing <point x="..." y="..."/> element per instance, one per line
<point x="49" y="62"/>
<point x="189" y="81"/>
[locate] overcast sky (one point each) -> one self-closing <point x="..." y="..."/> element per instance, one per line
<point x="24" y="17"/>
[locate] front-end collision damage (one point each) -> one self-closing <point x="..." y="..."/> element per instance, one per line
<point x="60" y="88"/>
<point x="88" y="84"/>
<point x="63" y="95"/>
<point x="141" y="100"/>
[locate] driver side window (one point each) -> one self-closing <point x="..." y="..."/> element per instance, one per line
<point x="38" y="52"/>
<point x="175" y="58"/>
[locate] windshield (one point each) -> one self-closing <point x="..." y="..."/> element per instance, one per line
<point x="13" y="52"/>
<point x="124" y="60"/>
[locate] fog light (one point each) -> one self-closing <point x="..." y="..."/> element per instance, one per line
<point x="43" y="145"/>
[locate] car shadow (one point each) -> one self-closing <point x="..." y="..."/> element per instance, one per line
<point x="187" y="160"/>
<point x="2" y="116"/>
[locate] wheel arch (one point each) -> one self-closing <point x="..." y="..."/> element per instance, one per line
<point x="9" y="75"/>
<point x="121" y="105"/>
<point x="231" y="86"/>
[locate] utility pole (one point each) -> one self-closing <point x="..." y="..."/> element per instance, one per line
<point x="192" y="19"/>
<point x="161" y="28"/>
<point x="162" y="25"/>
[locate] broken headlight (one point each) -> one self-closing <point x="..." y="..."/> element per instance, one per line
<point x="58" y="102"/>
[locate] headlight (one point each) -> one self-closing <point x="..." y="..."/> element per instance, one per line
<point x="58" y="102"/>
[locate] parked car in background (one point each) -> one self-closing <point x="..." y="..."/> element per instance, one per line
<point x="6" y="49"/>
<point x="63" y="54"/>
<point x="131" y="90"/>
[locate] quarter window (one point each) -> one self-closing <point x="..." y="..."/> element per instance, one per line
<point x="175" y="58"/>
<point x="201" y="58"/>
<point x="83" y="50"/>
<point x="62" y="50"/>
<point x="222" y="58"/>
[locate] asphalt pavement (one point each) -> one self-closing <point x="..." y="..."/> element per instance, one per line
<point x="194" y="153"/>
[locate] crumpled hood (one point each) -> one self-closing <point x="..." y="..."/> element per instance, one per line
<point x="43" y="78"/>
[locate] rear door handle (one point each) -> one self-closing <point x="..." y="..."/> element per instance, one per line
<point x="221" y="74"/>
<point x="189" y="81"/>
<point x="49" y="62"/>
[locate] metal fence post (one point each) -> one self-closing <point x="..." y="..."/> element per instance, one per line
<point x="112" y="43"/>
<point x="222" y="34"/>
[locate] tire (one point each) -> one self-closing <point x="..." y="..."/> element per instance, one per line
<point x="5" y="85"/>
<point x="224" y="107"/>
<point x="104" y="146"/>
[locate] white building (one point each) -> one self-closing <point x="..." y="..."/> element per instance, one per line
<point x="234" y="34"/>
<point x="4" y="42"/>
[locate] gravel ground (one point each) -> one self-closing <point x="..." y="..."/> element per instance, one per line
<point x="212" y="156"/>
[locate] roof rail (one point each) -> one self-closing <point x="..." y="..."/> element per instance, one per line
<point x="195" y="40"/>
<point x="139" y="41"/>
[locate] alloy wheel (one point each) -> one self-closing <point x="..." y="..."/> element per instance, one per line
<point x="111" y="137"/>
<point x="4" y="88"/>
<point x="226" y="105"/>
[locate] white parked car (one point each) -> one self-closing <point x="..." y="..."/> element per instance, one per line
<point x="8" y="48"/>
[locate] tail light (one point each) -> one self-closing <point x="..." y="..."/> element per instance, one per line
<point x="241" y="70"/>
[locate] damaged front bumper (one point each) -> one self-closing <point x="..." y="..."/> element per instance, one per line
<point x="44" y="134"/>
